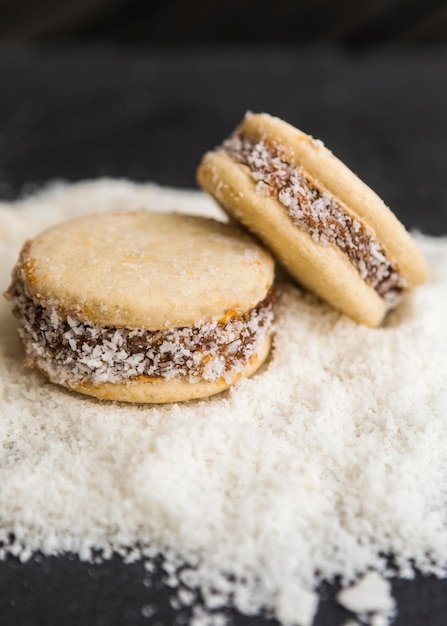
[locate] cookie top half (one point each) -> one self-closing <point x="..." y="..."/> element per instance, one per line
<point x="145" y="270"/>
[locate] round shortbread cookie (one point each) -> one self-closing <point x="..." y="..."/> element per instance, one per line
<point x="144" y="307"/>
<point x="335" y="236"/>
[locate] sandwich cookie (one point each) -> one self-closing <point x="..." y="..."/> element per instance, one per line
<point x="144" y="307"/>
<point x="333" y="234"/>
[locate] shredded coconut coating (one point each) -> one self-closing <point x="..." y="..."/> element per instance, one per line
<point x="317" y="213"/>
<point x="69" y="350"/>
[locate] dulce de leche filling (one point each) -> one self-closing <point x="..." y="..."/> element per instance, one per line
<point x="72" y="351"/>
<point x="316" y="212"/>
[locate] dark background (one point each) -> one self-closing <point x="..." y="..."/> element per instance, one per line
<point x="225" y="21"/>
<point x="140" y="90"/>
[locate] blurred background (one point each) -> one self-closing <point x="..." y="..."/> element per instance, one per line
<point x="225" y="21"/>
<point x="139" y="89"/>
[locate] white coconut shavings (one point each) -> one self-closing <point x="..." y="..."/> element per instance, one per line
<point x="317" y="213"/>
<point x="330" y="457"/>
<point x="296" y="606"/>
<point x="370" y="598"/>
<point x="69" y="350"/>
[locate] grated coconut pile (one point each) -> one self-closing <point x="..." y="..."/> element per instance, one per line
<point x="332" y="455"/>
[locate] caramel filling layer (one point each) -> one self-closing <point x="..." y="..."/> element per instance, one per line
<point x="73" y="351"/>
<point x="317" y="213"/>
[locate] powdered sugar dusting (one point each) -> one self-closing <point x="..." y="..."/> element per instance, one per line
<point x="330" y="458"/>
<point x="317" y="213"/>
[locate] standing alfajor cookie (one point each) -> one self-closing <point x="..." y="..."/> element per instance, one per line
<point x="331" y="231"/>
<point x="144" y="307"/>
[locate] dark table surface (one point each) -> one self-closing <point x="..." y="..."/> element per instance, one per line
<point x="148" y="115"/>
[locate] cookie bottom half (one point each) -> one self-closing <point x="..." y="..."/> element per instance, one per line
<point x="159" y="390"/>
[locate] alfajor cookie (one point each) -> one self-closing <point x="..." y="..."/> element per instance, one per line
<point x="144" y="307"/>
<point x="333" y="234"/>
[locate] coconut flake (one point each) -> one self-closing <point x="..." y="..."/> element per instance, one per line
<point x="371" y="594"/>
<point x="81" y="351"/>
